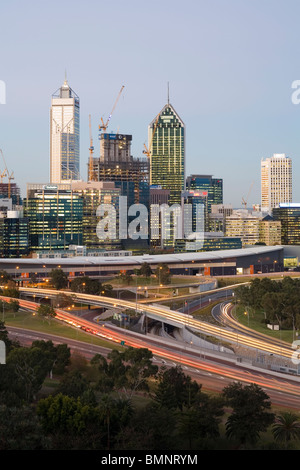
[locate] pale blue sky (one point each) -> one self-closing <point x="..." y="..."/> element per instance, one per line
<point x="230" y="65"/>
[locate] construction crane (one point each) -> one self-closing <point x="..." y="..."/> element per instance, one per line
<point x="91" y="149"/>
<point x="2" y="175"/>
<point x="103" y="127"/>
<point x="245" y="202"/>
<point x="9" y="175"/>
<point x="147" y="151"/>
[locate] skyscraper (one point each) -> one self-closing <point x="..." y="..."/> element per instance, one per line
<point x="166" y="134"/>
<point x="64" y="135"/>
<point x="206" y="183"/>
<point x="276" y="181"/>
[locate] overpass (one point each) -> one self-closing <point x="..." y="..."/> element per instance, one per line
<point x="167" y="315"/>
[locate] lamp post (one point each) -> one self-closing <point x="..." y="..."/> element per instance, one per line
<point x="17" y="267"/>
<point x="136" y="298"/>
<point x="160" y="268"/>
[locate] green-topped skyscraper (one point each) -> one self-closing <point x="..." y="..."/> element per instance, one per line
<point x="166" y="134"/>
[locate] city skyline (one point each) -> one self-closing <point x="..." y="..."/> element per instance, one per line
<point x="231" y="87"/>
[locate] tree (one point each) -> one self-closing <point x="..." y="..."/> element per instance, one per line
<point x="163" y="274"/>
<point x="125" y="277"/>
<point x="250" y="412"/>
<point x="114" y="413"/>
<point x="20" y="429"/>
<point x="46" y="311"/>
<point x="73" y="384"/>
<point x="11" y="290"/>
<point x="9" y="344"/>
<point x="27" y="369"/>
<point x="139" y="368"/>
<point x="4" y="277"/>
<point x="175" y="389"/>
<point x="13" y="305"/>
<point x="145" y="270"/>
<point x="201" y="420"/>
<point x="62" y="358"/>
<point x="286" y="428"/>
<point x="63" y="415"/>
<point x="272" y="305"/>
<point x="58" y="279"/>
<point x="60" y="354"/>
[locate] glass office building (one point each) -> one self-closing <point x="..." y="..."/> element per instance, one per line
<point x="207" y="184"/>
<point x="166" y="135"/>
<point x="64" y="135"/>
<point x="14" y="235"/>
<point x="289" y="216"/>
<point x="55" y="216"/>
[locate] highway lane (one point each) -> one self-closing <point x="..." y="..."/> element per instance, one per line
<point x="223" y="314"/>
<point x="213" y="369"/>
<point x="213" y="377"/>
<point x="174" y="316"/>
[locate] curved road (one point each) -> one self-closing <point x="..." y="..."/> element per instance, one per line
<point x="211" y="371"/>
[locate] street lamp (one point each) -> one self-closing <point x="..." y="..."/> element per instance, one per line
<point x="17" y="267"/>
<point x="160" y="268"/>
<point x="136" y="297"/>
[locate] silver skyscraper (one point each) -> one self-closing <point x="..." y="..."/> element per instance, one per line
<point x="64" y="135"/>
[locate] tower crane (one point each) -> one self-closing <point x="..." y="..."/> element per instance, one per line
<point x="105" y="125"/>
<point x="2" y="175"/>
<point x="9" y="175"/>
<point x="245" y="202"/>
<point x="147" y="151"/>
<point x="91" y="149"/>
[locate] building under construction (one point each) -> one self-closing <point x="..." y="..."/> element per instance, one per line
<point x="116" y="164"/>
<point x="11" y="191"/>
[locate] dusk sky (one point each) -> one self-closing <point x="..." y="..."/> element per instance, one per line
<point x="230" y="65"/>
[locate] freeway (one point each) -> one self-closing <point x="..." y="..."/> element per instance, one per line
<point x="223" y="314"/>
<point x="214" y="371"/>
<point x="184" y="319"/>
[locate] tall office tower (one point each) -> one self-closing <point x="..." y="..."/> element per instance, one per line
<point x="206" y="183"/>
<point x="166" y="134"/>
<point x="64" y="135"/>
<point x="276" y="181"/>
<point x="116" y="164"/>
<point x="55" y="216"/>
